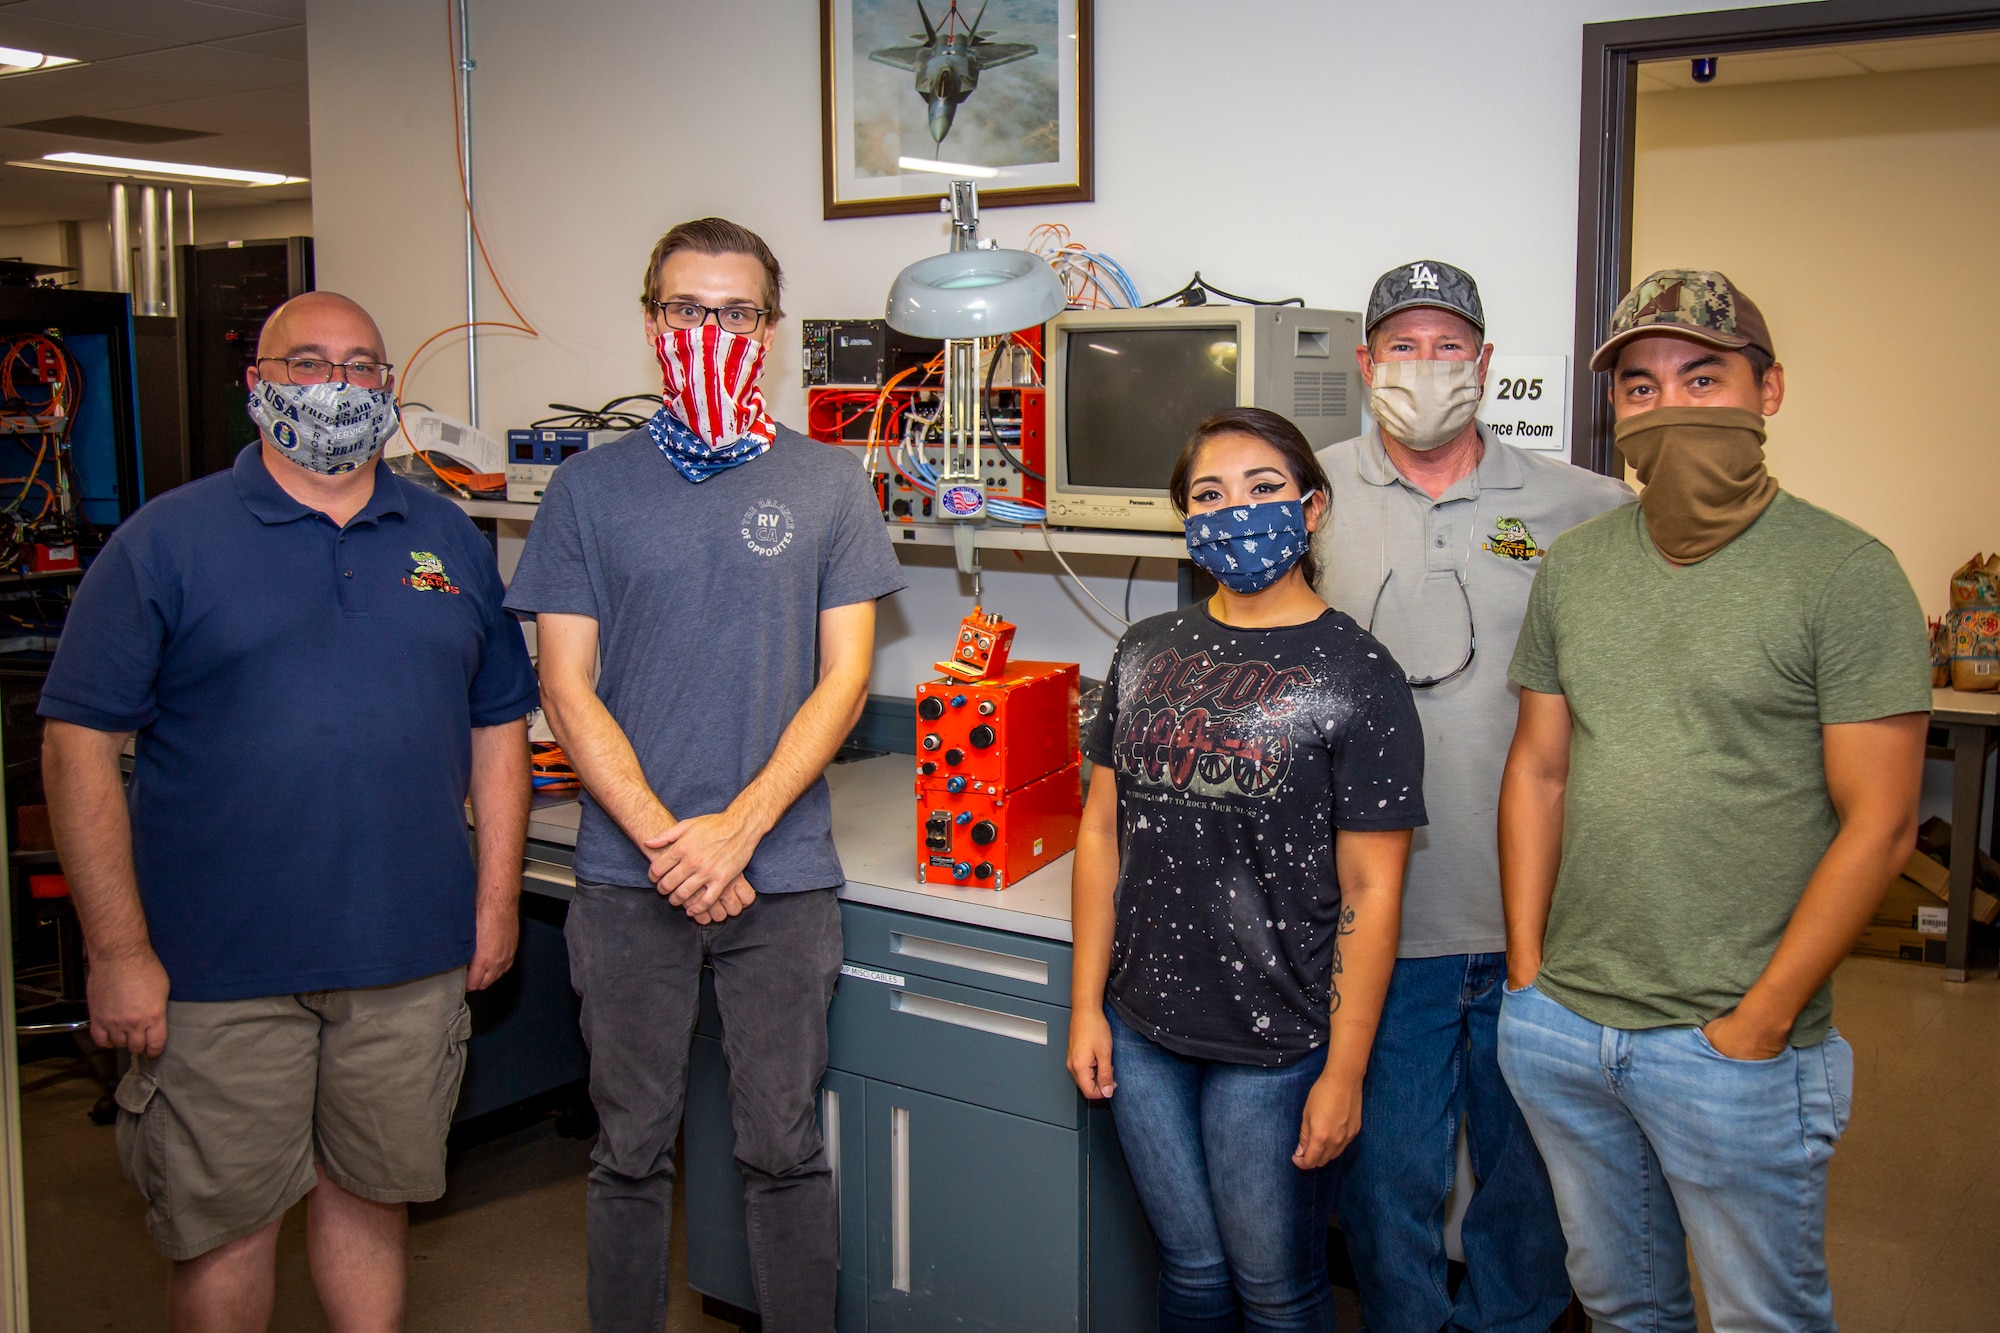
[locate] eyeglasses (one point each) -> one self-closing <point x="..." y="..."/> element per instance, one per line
<point x="313" y="370"/>
<point x="1471" y="635"/>
<point x="689" y="315"/>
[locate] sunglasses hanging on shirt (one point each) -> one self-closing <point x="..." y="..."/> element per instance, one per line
<point x="1471" y="634"/>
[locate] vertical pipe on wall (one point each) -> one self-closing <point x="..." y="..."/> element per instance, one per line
<point x="167" y="259"/>
<point x="121" y="240"/>
<point x="465" y="67"/>
<point x="149" y="250"/>
<point x="189" y="192"/>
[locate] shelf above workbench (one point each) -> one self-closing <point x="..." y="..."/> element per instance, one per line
<point x="995" y="537"/>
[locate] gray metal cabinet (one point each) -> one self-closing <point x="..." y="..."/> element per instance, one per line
<point x="978" y="1190"/>
<point x="974" y="1217"/>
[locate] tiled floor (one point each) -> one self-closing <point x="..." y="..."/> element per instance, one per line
<point x="1913" y="1233"/>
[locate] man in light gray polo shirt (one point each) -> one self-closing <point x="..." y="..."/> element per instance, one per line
<point x="1433" y="539"/>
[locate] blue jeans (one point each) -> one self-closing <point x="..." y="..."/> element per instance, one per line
<point x="1436" y="1061"/>
<point x="1657" y="1143"/>
<point x="1242" y="1231"/>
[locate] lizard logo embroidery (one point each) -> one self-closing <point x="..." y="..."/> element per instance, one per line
<point x="1512" y="539"/>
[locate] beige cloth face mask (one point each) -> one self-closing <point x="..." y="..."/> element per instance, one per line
<point x="1423" y="404"/>
<point x="1703" y="470"/>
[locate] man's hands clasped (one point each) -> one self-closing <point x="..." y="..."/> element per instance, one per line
<point x="697" y="864"/>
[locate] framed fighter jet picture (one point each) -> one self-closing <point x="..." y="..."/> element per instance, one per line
<point x="915" y="93"/>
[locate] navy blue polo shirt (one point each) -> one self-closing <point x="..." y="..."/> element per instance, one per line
<point x="304" y="697"/>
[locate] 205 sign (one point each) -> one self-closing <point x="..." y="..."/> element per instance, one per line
<point x="1527" y="401"/>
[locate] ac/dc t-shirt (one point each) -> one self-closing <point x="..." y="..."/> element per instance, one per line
<point x="1239" y="755"/>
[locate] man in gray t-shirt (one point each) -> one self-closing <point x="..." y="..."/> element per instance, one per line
<point x="1435" y="531"/>
<point x="705" y="596"/>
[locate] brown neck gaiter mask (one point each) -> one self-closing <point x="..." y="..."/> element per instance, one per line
<point x="1703" y="470"/>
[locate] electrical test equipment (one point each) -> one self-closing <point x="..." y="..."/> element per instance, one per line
<point x="999" y="779"/>
<point x="534" y="455"/>
<point x="893" y="429"/>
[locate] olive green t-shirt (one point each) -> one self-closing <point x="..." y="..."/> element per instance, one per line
<point x="1696" y="806"/>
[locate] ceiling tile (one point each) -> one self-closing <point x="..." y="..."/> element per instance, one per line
<point x="165" y="20"/>
<point x="1826" y="62"/>
<point x="1759" y="67"/>
<point x="283" y="44"/>
<point x="93" y="90"/>
<point x="223" y="113"/>
<point x="216" y="66"/>
<point x="108" y="129"/>
<point x="286" y="9"/>
<point x="1930" y="53"/>
<point x="65" y="39"/>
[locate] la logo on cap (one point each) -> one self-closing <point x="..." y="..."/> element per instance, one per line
<point x="1422" y="278"/>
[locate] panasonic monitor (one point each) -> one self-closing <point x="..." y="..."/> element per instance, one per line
<point x="1127" y="387"/>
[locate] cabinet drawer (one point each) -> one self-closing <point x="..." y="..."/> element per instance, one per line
<point x="976" y="1046"/>
<point x="992" y="960"/>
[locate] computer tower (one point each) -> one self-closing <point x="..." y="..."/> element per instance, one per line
<point x="227" y="289"/>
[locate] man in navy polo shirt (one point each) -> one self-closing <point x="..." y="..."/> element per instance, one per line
<point x="282" y="914"/>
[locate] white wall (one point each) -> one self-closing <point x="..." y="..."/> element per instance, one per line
<point x="1286" y="146"/>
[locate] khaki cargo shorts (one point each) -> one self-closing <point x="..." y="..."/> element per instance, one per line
<point x="220" y="1133"/>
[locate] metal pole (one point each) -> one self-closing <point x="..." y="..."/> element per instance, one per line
<point x="189" y="192"/>
<point x="149" y="249"/>
<point x="465" y="68"/>
<point x="173" y="303"/>
<point x="121" y="241"/>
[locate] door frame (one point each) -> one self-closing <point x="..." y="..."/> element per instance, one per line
<point x="1611" y="56"/>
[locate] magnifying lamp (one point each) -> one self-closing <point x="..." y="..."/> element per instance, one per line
<point x="960" y="297"/>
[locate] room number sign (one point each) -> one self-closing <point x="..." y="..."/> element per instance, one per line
<point x="1527" y="401"/>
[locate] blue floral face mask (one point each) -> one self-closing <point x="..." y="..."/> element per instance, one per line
<point x="1249" y="547"/>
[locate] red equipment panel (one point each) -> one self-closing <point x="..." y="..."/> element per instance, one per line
<point x="1002" y="733"/>
<point x="988" y="841"/>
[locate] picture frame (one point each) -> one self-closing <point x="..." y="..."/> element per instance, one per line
<point x="893" y="76"/>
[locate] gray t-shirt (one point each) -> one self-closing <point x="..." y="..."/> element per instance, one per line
<point x="707" y="600"/>
<point x="1490" y="530"/>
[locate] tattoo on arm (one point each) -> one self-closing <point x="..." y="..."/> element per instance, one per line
<point x="1344" y="926"/>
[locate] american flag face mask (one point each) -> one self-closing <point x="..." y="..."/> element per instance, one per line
<point x="711" y="386"/>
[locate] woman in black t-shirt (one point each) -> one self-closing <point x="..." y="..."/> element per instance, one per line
<point x="1238" y="889"/>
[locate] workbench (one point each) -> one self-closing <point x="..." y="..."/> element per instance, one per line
<point x="977" y="1188"/>
<point x="1970" y="720"/>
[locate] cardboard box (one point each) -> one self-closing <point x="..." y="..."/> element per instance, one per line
<point x="1903" y="902"/>
<point x="1880" y="940"/>
<point x="1929" y="874"/>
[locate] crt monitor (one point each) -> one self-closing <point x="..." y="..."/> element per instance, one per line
<point x="1127" y="387"/>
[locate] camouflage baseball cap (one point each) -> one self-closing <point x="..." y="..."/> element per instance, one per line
<point x="1428" y="282"/>
<point x="1703" y="306"/>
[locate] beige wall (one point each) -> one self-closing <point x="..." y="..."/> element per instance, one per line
<point x="1861" y="214"/>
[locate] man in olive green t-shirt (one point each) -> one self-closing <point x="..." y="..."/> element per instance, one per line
<point x="1724" y="697"/>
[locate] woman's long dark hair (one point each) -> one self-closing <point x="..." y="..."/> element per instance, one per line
<point x="1273" y="430"/>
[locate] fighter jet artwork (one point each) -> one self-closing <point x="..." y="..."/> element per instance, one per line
<point x="949" y="62"/>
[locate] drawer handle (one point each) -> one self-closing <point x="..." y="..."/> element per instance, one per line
<point x="548" y="872"/>
<point x="829" y="1128"/>
<point x="972" y="960"/>
<point x="899" y="1197"/>
<point x="971" y="1016"/>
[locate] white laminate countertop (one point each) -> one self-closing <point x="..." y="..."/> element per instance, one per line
<point x="1958" y="706"/>
<point x="875" y="834"/>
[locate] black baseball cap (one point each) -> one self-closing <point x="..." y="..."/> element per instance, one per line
<point x="1427" y="282"/>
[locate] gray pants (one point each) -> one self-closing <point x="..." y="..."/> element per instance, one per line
<point x="636" y="961"/>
